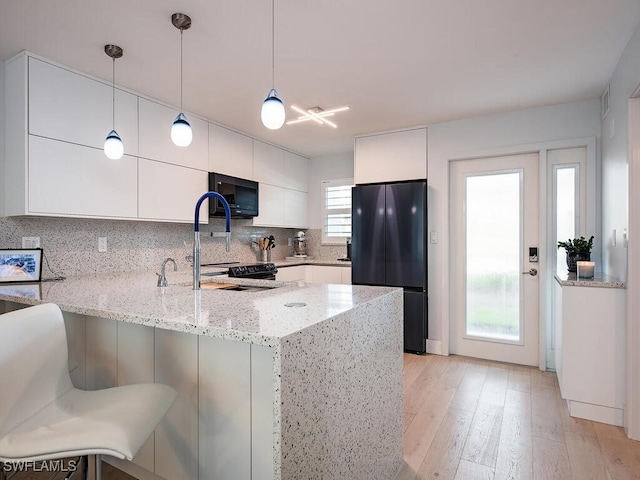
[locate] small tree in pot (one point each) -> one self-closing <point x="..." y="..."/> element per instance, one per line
<point x="578" y="249"/>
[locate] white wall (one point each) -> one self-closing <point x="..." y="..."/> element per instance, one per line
<point x="325" y="167"/>
<point x="624" y="82"/>
<point x="618" y="207"/>
<point x="493" y="134"/>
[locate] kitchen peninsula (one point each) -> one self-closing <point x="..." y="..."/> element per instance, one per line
<point x="298" y="381"/>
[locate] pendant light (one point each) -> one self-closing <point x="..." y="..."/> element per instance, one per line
<point x="181" y="133"/>
<point x="272" y="113"/>
<point x="113" y="147"/>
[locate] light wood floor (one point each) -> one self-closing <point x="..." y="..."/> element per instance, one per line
<point x="467" y="419"/>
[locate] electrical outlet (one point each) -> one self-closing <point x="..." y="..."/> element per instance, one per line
<point x="289" y="242"/>
<point x="102" y="244"/>
<point x="30" y="242"/>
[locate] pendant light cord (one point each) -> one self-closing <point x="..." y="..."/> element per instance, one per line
<point x="273" y="44"/>
<point x="113" y="94"/>
<point x="181" y="30"/>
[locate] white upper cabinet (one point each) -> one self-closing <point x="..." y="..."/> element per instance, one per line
<point x="268" y="164"/>
<point x="294" y="207"/>
<point x="278" y="167"/>
<point x="54" y="154"/>
<point x="297" y="169"/>
<point x="155" y="137"/>
<point x="170" y="192"/>
<point x="270" y="206"/>
<point x="281" y="207"/>
<point x="67" y="106"/>
<point x="68" y="179"/>
<point x="230" y="153"/>
<point x="391" y="156"/>
<point x="283" y="178"/>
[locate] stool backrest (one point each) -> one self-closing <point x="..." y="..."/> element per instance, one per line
<point x="33" y="362"/>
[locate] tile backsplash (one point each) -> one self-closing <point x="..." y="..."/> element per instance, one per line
<point x="71" y="244"/>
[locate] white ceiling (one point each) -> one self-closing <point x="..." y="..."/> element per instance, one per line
<point x="395" y="63"/>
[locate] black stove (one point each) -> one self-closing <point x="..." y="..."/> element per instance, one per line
<point x="263" y="271"/>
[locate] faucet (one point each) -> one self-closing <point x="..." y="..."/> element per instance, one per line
<point x="162" y="277"/>
<point x="196" y="233"/>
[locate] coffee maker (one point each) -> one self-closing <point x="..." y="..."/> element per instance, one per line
<point x="300" y="244"/>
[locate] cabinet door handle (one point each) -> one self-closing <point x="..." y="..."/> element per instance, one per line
<point x="532" y="271"/>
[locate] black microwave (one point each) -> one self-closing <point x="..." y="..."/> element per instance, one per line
<point x="240" y="194"/>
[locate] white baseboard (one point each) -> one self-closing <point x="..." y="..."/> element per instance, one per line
<point x="434" y="347"/>
<point x="596" y="413"/>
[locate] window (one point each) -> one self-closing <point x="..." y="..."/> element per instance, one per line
<point x="567" y="177"/>
<point x="566" y="207"/>
<point x="336" y="210"/>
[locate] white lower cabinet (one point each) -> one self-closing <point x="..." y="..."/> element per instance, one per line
<point x="176" y="438"/>
<point x="590" y="349"/>
<point x="297" y="273"/>
<point x="136" y="364"/>
<point x="325" y="274"/>
<point x="117" y="353"/>
<point x="170" y="192"/>
<point x="315" y="274"/>
<point x="224" y="398"/>
<point x="102" y="350"/>
<point x="221" y="425"/>
<point x="69" y="179"/>
<point x="345" y="275"/>
<point x="75" y="326"/>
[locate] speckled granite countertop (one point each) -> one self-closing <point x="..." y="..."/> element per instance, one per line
<point x="600" y="280"/>
<point x="259" y="317"/>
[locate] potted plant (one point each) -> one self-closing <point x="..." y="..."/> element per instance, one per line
<point x="578" y="249"/>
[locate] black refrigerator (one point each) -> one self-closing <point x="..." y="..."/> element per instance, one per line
<point x="389" y="248"/>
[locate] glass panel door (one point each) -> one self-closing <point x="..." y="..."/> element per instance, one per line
<point x="494" y="214"/>
<point x="493" y="246"/>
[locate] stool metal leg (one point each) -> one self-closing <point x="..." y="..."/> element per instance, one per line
<point x="98" y="467"/>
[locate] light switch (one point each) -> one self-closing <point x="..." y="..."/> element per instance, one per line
<point x="433" y="237"/>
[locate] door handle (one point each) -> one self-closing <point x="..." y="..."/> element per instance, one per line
<point x="532" y="271"/>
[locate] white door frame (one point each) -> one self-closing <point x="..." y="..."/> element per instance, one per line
<point x="632" y="410"/>
<point x="592" y="224"/>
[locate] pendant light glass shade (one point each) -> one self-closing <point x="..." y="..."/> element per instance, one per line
<point x="181" y="133"/>
<point x="273" y="112"/>
<point x="113" y="146"/>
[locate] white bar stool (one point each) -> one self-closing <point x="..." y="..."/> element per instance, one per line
<point x="43" y="417"/>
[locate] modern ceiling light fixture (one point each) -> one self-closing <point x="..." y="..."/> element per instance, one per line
<point x="181" y="133"/>
<point x="113" y="147"/>
<point x="273" y="114"/>
<point x="317" y="114"/>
